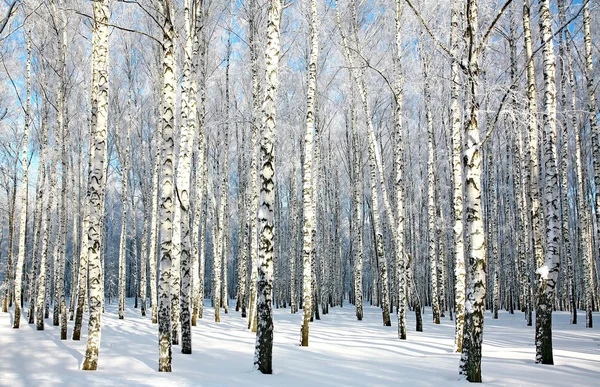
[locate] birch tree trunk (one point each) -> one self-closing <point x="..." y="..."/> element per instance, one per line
<point x="144" y="249"/>
<point x="96" y="188"/>
<point x="293" y="261"/>
<point x="39" y="213"/>
<point x="167" y="191"/>
<point x="263" y="353"/>
<point x="547" y="273"/>
<point x="84" y="253"/>
<point x="201" y="175"/>
<point x="470" y="363"/>
<point x="570" y="149"/>
<point x="224" y="217"/>
<point x="531" y="162"/>
<point x="399" y="183"/>
<point x="431" y="206"/>
<point x="76" y="206"/>
<point x="595" y="136"/>
<point x="256" y="122"/>
<point x="123" y="240"/>
<point x="24" y="189"/>
<point x="43" y="283"/>
<point x="176" y="257"/>
<point x="152" y="256"/>
<point x="188" y="129"/>
<point x="457" y="184"/>
<point x="307" y="186"/>
<point x="358" y="223"/>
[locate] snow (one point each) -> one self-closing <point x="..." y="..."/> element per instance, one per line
<point x="342" y="352"/>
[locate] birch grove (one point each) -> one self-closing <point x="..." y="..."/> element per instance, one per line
<point x="394" y="156"/>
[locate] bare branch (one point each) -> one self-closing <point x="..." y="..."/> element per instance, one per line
<point x="9" y="13"/>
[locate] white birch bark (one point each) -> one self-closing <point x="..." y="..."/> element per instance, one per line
<point x="595" y="177"/>
<point x="263" y="353"/>
<point x="457" y="187"/>
<point x="176" y="259"/>
<point x="39" y="212"/>
<point x="123" y="239"/>
<point x="76" y="208"/>
<point x="431" y="205"/>
<point x="358" y="223"/>
<point x="144" y="248"/>
<point x="399" y="183"/>
<point x="224" y="217"/>
<point x="24" y="188"/>
<point x="96" y="188"/>
<point x="532" y="164"/>
<point x="43" y="282"/>
<point x="167" y="190"/>
<point x="547" y="273"/>
<point x="307" y="183"/>
<point x="293" y="284"/>
<point x="199" y="215"/>
<point x="152" y="255"/>
<point x="256" y="122"/>
<point x="188" y="128"/>
<point x="470" y="363"/>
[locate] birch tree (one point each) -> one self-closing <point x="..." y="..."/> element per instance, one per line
<point x="547" y="272"/>
<point x="457" y="181"/>
<point x="470" y="362"/>
<point x="96" y="189"/>
<point x="124" y="204"/>
<point x="308" y="230"/>
<point x="24" y="188"/>
<point x="167" y="190"/>
<point x="593" y="119"/>
<point x="263" y="353"/>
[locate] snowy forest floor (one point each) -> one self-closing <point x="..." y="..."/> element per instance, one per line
<point x="342" y="352"/>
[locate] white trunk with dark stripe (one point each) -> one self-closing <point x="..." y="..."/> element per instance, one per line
<point x="399" y="183"/>
<point x="253" y="204"/>
<point x="547" y="273"/>
<point x="431" y="207"/>
<point x="531" y="162"/>
<point x="123" y="240"/>
<point x="470" y="363"/>
<point x="595" y="176"/>
<point x="308" y="190"/>
<point x="167" y="197"/>
<point x="24" y="189"/>
<point x="263" y="353"/>
<point x="43" y="281"/>
<point x="96" y="188"/>
<point x="457" y="187"/>
<point x="39" y="213"/>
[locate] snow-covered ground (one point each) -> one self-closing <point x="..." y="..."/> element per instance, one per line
<point x="342" y="352"/>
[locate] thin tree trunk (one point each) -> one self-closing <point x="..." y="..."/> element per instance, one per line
<point x="256" y="107"/>
<point x="457" y="186"/>
<point x="308" y="190"/>
<point x="595" y="177"/>
<point x="188" y="129"/>
<point x="431" y="206"/>
<point x="96" y="188"/>
<point x="123" y="240"/>
<point x="24" y="189"/>
<point x="167" y="191"/>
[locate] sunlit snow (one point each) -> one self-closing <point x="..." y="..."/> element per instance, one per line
<point x="342" y="352"/>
